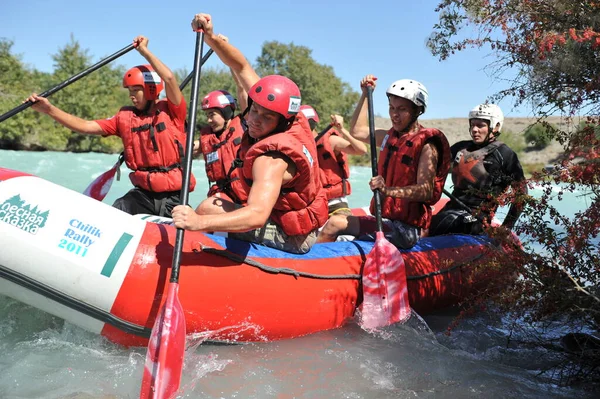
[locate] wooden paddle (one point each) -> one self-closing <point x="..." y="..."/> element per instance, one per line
<point x="166" y="348"/>
<point x="67" y="82"/>
<point x="102" y="184"/>
<point x="385" y="294"/>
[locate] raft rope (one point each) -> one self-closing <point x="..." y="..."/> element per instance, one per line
<point x="291" y="272"/>
<point x="275" y="270"/>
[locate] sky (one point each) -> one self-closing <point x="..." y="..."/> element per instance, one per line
<point x="379" y="37"/>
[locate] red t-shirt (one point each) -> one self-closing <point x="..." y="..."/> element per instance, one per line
<point x="177" y="113"/>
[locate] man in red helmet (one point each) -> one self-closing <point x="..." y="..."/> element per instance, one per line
<point x="219" y="140"/>
<point x="152" y="130"/>
<point x="332" y="149"/>
<point x="277" y="199"/>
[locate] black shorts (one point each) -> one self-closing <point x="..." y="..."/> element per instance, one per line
<point x="142" y="201"/>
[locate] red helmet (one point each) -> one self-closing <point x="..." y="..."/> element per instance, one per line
<point x="222" y="100"/>
<point x="310" y="113"/>
<point x="278" y="94"/>
<point x="145" y="76"/>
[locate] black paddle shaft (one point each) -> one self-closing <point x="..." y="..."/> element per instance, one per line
<point x="459" y="202"/>
<point x="67" y="82"/>
<point x="322" y="133"/>
<point x="187" y="79"/>
<point x="189" y="148"/>
<point x="373" y="145"/>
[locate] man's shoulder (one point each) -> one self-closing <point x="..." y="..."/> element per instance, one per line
<point x="460" y="145"/>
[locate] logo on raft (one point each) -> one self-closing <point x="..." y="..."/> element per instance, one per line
<point x="16" y="212"/>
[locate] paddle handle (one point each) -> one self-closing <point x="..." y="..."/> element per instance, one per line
<point x="189" y="149"/>
<point x="67" y="82"/>
<point x="373" y="145"/>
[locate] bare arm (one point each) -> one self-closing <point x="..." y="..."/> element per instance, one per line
<point x="347" y="143"/>
<point x="171" y="86"/>
<point x="71" y="122"/>
<point x="231" y="56"/>
<point x="359" y="124"/>
<point x="268" y="173"/>
<point x="426" y="172"/>
<point x="242" y="95"/>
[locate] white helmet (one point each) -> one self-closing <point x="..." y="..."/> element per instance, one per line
<point x="411" y="90"/>
<point x="489" y="112"/>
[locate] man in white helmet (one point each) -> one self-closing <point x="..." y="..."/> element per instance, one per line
<point x="412" y="167"/>
<point x="483" y="168"/>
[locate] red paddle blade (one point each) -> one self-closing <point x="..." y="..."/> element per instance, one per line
<point x="100" y="186"/>
<point x="385" y="294"/>
<point x="164" y="359"/>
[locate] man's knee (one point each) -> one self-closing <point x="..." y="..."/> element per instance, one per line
<point x="336" y="223"/>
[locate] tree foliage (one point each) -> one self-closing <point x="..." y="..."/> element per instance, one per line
<point x="548" y="52"/>
<point x="540" y="134"/>
<point x="319" y="85"/>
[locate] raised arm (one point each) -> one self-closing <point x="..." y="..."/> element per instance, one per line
<point x="231" y="56"/>
<point x="359" y="124"/>
<point x="242" y="94"/>
<point x="346" y="143"/>
<point x="171" y="86"/>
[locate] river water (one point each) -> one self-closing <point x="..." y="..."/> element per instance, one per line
<point x="45" y="357"/>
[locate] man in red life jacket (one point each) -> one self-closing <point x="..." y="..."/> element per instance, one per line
<point x="219" y="140"/>
<point x="152" y="130"/>
<point x="277" y="198"/>
<point x="413" y="165"/>
<point x="332" y="148"/>
<point x="483" y="168"/>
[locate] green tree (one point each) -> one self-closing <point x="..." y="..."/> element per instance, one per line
<point x="319" y="85"/>
<point x="16" y="83"/>
<point x="98" y="95"/>
<point x="547" y="51"/>
<point x="539" y="134"/>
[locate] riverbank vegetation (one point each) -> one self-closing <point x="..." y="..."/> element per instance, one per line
<point x="547" y="51"/>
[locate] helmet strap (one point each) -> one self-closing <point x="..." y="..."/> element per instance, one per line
<point x="227" y="113"/>
<point x="412" y="122"/>
<point x="146" y="109"/>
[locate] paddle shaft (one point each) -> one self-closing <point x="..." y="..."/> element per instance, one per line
<point x="322" y="133"/>
<point x="459" y="202"/>
<point x="189" y="149"/>
<point x="191" y="74"/>
<point x="373" y="145"/>
<point x="67" y="82"/>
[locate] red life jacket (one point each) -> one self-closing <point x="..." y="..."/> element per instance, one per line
<point x="219" y="152"/>
<point x="398" y="164"/>
<point x="302" y="203"/>
<point x="334" y="168"/>
<point x="153" y="148"/>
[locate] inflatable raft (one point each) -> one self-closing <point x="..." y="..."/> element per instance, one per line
<point x="107" y="271"/>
